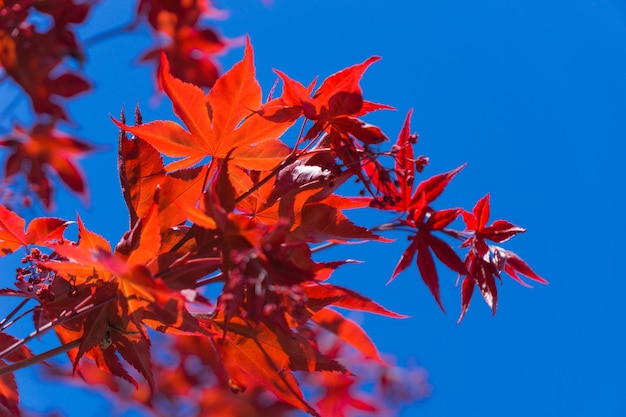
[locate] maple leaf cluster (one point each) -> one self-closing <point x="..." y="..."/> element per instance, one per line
<point x="37" y="61"/>
<point x="37" y="56"/>
<point x="239" y="209"/>
<point x="190" y="47"/>
<point x="32" y="58"/>
<point x="42" y="151"/>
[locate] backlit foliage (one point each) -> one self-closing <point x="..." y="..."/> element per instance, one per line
<point x="241" y="206"/>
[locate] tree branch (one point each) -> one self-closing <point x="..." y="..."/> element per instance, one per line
<point x="39" y="358"/>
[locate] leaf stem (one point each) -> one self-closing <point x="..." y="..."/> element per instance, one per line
<point x="104" y="35"/>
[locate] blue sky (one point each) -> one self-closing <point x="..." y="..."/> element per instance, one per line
<point x="532" y="95"/>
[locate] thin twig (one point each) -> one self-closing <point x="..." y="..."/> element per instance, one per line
<point x="209" y="280"/>
<point x="287" y="161"/>
<point x="24" y="363"/>
<point x="99" y="37"/>
<point x="63" y="317"/>
<point x="291" y="158"/>
<point x="14" y="312"/>
<point x="12" y="322"/>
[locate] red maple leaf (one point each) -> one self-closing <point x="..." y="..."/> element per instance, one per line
<point x="190" y="48"/>
<point x="142" y="173"/>
<point x="397" y="193"/>
<point x="42" y="151"/>
<point x="191" y="54"/>
<point x="348" y="331"/>
<point x="221" y="123"/>
<point x="40" y="231"/>
<point x="423" y="242"/>
<point x="341" y="397"/>
<point x="337" y="103"/>
<point x="91" y="261"/>
<point x="268" y="357"/>
<point x="335" y="107"/>
<point x="485" y="262"/>
<point x="163" y="15"/>
<point x="313" y="213"/>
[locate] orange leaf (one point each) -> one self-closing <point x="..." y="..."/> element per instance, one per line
<point x="217" y="123"/>
<point x="84" y="259"/>
<point x="348" y="331"/>
<point x="40" y="231"/>
<point x="141" y="244"/>
<point x="261" y="157"/>
<point x="91" y="240"/>
<point x="189" y="104"/>
<point x="44" y="230"/>
<point x="11" y="231"/>
<point x="141" y="171"/>
<point x="168" y="138"/>
<point x="181" y="188"/>
<point x="233" y="97"/>
<point x="259" y="356"/>
<point x="194" y="215"/>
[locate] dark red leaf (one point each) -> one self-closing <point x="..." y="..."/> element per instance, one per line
<point x="500" y="231"/>
<point x="95" y="330"/>
<point x="362" y="131"/>
<point x="514" y="263"/>
<point x="68" y="85"/>
<point x="405" y="259"/>
<point x="434" y="186"/>
<point x="114" y="366"/>
<point x="467" y="290"/>
<point x="344" y="81"/>
<point x="404" y="164"/>
<point x="136" y="351"/>
<point x="321" y="295"/>
<point x="481" y="212"/>
<point x="482" y="273"/>
<point x="439" y="220"/>
<point x="447" y="255"/>
<point x="345" y="103"/>
<point x="427" y="269"/>
<point x="23" y="352"/>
